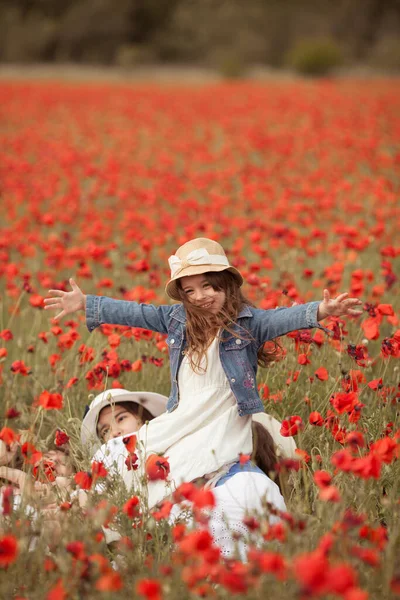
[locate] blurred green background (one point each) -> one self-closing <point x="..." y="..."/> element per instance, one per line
<point x="309" y="36"/>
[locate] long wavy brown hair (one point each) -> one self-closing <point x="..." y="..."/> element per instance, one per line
<point x="264" y="453"/>
<point x="202" y="326"/>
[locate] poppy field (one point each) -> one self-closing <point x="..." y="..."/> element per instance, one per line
<point x="300" y="182"/>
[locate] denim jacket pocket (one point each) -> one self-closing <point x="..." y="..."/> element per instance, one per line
<point x="235" y="343"/>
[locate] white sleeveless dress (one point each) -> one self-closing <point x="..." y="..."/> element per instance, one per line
<point x="204" y="432"/>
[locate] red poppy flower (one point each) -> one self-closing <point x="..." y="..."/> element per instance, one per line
<point x="84" y="480"/>
<point x="131" y="461"/>
<point x="244" y="458"/>
<point x="50" y="401"/>
<point x="12" y="413"/>
<point x="149" y="588"/>
<point x="203" y="499"/>
<point x="6" y="335"/>
<point x="36" y="301"/>
<point x="291" y="426"/>
<point x="137" y="366"/>
<point x="98" y="470"/>
<point x="386" y="449"/>
<point x="157" y="467"/>
<point x="130" y="443"/>
<point x="322" y="374"/>
<point x="44" y="471"/>
<point x="57" y="592"/>
<point x="61" y="438"/>
<point x="322" y="479"/>
<point x="7" y="499"/>
<point x="385" y="309"/>
<point x="316" y="419"/>
<point x="163" y="511"/>
<point x="109" y="581"/>
<point x="8" y="550"/>
<point x="77" y="549"/>
<point x="303" y="359"/>
<point x="19" y="367"/>
<point x="8" y="435"/>
<point x="196" y="541"/>
<point x="131" y="507"/>
<point x="355" y="439"/>
<point x="30" y="454"/>
<point x="344" y="402"/>
<point x="375" y="384"/>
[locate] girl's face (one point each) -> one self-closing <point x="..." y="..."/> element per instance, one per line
<point x="200" y="292"/>
<point x="115" y="421"/>
<point x="62" y="465"/>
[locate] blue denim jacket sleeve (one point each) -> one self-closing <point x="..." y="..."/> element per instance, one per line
<point x="101" y="310"/>
<point x="270" y="324"/>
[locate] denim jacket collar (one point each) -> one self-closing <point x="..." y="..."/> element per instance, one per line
<point x="179" y="313"/>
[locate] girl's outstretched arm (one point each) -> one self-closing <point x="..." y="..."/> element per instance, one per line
<point x="101" y="310"/>
<point x="270" y="324"/>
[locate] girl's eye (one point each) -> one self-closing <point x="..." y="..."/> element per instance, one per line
<point x="121" y="418"/>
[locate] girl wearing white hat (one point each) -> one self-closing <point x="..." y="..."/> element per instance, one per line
<point x="216" y="341"/>
<point x="118" y="412"/>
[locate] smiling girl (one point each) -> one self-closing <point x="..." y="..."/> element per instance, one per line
<point x="216" y="341"/>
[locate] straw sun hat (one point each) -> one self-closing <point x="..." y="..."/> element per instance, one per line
<point x="196" y="257"/>
<point x="156" y="404"/>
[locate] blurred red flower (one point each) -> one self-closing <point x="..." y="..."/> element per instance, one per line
<point x="57" y="592"/>
<point x="50" y="401"/>
<point x="8" y="550"/>
<point x="84" y="480"/>
<point x="157" y="467"/>
<point x="131" y="507"/>
<point x="8" y="435"/>
<point x="316" y="419"/>
<point x="291" y="426"/>
<point x="322" y="374"/>
<point x="149" y="588"/>
<point x="61" y="438"/>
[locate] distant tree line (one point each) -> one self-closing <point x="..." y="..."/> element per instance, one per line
<point x="202" y="31"/>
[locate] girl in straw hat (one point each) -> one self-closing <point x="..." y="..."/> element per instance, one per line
<point x="215" y="339"/>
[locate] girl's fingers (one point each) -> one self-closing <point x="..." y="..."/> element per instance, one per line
<point x="51" y="301"/>
<point x="354" y="313"/>
<point x="52" y="306"/>
<point x="73" y="284"/>
<point x="60" y="315"/>
<point x="57" y="293"/>
<point x="326" y="296"/>
<point x="342" y="297"/>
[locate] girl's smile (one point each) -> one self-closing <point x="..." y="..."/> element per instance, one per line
<point x="200" y="292"/>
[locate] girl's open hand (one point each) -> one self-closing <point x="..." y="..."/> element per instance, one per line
<point x="336" y="307"/>
<point x="66" y="302"/>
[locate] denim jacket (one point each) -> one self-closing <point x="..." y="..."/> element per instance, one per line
<point x="238" y="354"/>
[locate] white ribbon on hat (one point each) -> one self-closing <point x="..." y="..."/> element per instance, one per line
<point x="196" y="258"/>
